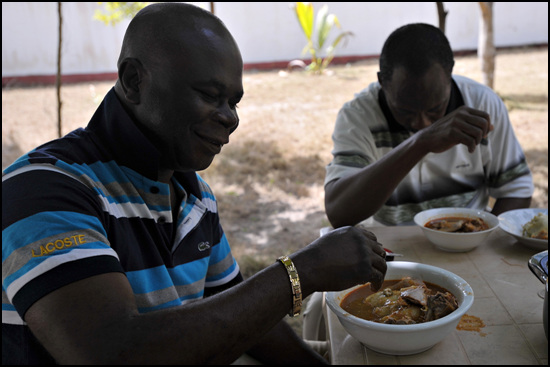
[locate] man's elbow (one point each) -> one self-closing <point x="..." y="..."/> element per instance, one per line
<point x="337" y="217"/>
<point x="337" y="213"/>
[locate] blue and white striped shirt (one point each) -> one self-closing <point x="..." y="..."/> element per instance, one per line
<point x="90" y="203"/>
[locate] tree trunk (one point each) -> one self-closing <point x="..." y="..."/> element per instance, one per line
<point x="58" y="77"/>
<point x="442" y="16"/>
<point x="486" y="51"/>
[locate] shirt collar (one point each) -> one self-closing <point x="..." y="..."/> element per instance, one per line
<point x="117" y="133"/>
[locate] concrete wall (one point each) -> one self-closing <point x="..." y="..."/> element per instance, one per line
<point x="265" y="32"/>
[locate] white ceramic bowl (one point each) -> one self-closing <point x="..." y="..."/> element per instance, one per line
<point x="406" y="339"/>
<point x="451" y="241"/>
<point x="512" y="222"/>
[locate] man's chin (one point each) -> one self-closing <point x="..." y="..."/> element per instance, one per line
<point x="199" y="165"/>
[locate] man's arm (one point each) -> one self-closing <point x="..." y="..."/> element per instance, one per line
<point x="96" y="320"/>
<point x="281" y="345"/>
<point x="506" y="204"/>
<point x="352" y="199"/>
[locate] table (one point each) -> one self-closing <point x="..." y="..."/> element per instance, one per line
<point x="505" y="300"/>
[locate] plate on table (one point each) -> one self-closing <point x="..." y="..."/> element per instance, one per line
<point x="512" y="222"/>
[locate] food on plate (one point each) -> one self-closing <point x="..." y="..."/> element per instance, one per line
<point x="537" y="227"/>
<point x="401" y="301"/>
<point x="457" y="224"/>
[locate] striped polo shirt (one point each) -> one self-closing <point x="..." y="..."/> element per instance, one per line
<point x="90" y="203"/>
<point x="365" y="131"/>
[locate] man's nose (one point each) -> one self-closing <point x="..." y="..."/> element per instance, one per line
<point x="421" y="121"/>
<point x="227" y="116"/>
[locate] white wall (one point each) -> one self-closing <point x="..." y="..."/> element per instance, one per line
<point x="265" y="32"/>
<point x="29" y="39"/>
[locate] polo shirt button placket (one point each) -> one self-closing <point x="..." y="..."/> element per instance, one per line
<point x="156" y="190"/>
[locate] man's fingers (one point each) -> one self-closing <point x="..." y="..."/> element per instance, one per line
<point x="491" y="128"/>
<point x="367" y="233"/>
<point x="377" y="278"/>
<point x="482" y="120"/>
<point x="378" y="268"/>
<point x="377" y="249"/>
<point x="377" y="273"/>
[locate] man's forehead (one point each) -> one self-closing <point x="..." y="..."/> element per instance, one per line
<point x="413" y="92"/>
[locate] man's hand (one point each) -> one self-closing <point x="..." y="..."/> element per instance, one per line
<point x="464" y="125"/>
<point x="341" y="259"/>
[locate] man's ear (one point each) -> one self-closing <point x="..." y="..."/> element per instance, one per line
<point x="378" y="75"/>
<point x="130" y="74"/>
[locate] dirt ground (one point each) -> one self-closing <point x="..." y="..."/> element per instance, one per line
<point x="269" y="179"/>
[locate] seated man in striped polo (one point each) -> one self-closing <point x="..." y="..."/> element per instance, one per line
<point x="422" y="138"/>
<point x="112" y="248"/>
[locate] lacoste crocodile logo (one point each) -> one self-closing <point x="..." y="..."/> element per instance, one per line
<point x="203" y="246"/>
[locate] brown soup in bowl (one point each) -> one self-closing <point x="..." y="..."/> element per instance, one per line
<point x="457" y="224"/>
<point x="400" y="301"/>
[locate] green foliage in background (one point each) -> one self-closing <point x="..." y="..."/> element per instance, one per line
<point x="116" y="12"/>
<point x="317" y="36"/>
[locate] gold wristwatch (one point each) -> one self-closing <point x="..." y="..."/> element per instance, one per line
<point x="294" y="284"/>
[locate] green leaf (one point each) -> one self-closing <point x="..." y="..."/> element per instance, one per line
<point x="321" y="25"/>
<point x="341" y="36"/>
<point x="324" y="22"/>
<point x="304" y="12"/>
<point x="117" y="11"/>
<point x="308" y="48"/>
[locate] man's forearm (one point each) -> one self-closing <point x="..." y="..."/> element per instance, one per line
<point x="215" y="330"/>
<point x="229" y="339"/>
<point x="505" y="204"/>
<point x="352" y="199"/>
<point x="281" y="345"/>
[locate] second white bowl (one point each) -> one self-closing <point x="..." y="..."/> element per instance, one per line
<point x="453" y="241"/>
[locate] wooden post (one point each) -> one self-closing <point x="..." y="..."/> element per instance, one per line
<point x="58" y="77"/>
<point x="486" y="51"/>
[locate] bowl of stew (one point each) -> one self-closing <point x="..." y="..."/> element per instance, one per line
<point x="403" y="332"/>
<point x="456" y="229"/>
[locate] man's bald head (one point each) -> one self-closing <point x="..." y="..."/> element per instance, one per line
<point x="159" y="30"/>
<point x="180" y="79"/>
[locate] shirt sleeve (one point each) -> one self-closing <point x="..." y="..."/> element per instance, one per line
<point x="51" y="237"/>
<point x="506" y="167"/>
<point x="354" y="144"/>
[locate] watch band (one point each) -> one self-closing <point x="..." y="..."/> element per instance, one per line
<point x="294" y="284"/>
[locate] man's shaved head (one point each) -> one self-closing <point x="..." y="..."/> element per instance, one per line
<point x="180" y="78"/>
<point x="161" y="28"/>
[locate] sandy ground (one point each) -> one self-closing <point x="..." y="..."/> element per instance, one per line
<point x="268" y="180"/>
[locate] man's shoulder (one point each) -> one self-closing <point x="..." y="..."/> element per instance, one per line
<point x="473" y="89"/>
<point x="363" y="112"/>
<point x="365" y="105"/>
<point x="366" y="98"/>
<point x="72" y="156"/>
<point x="479" y="96"/>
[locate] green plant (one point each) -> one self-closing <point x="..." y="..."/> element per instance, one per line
<point x="116" y="12"/>
<point x="324" y="22"/>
